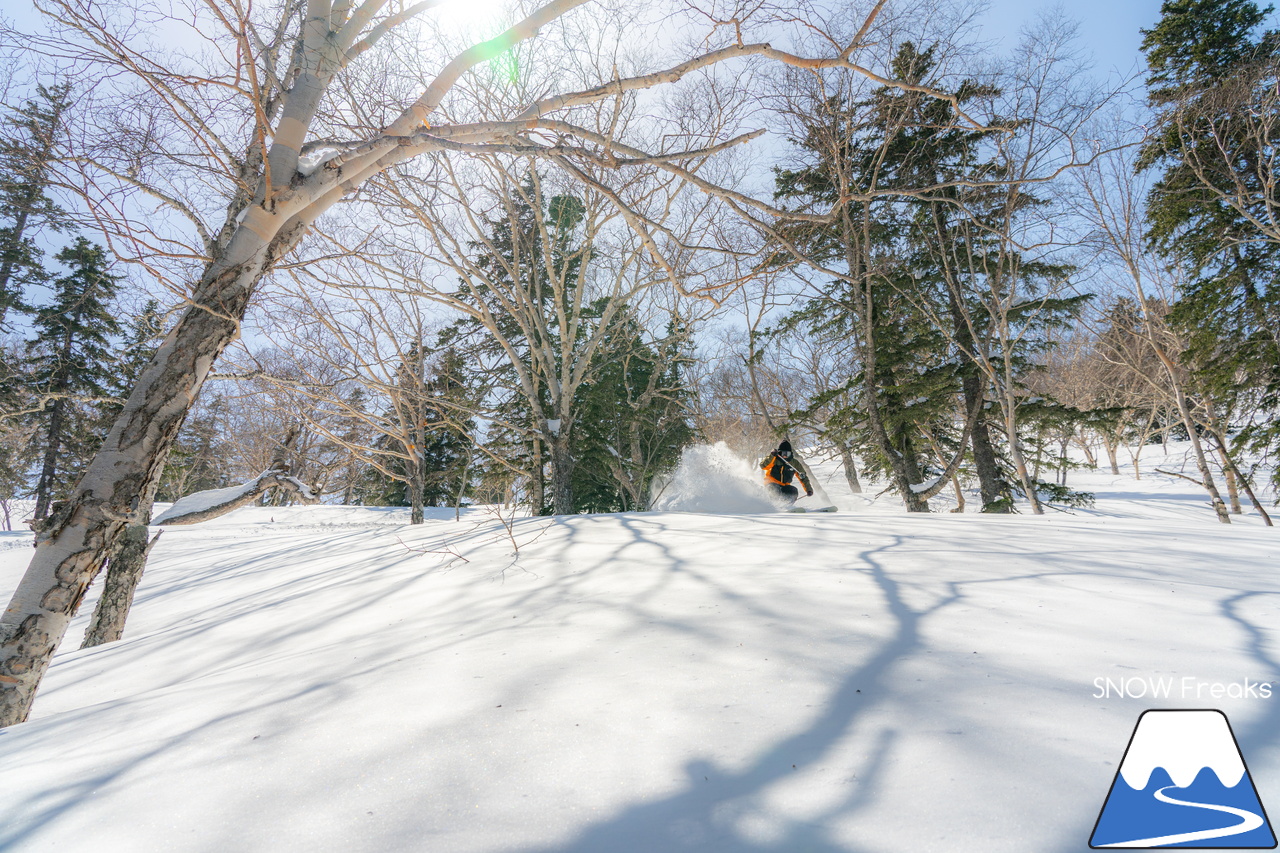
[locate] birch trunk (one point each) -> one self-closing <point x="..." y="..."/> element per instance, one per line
<point x="1229" y="471"/>
<point x="1020" y="459"/>
<point x="850" y="469"/>
<point x="1202" y="462"/>
<point x="955" y="484"/>
<point x="1233" y="489"/>
<point x="124" y="571"/>
<point x="72" y="544"/>
<point x="1230" y="466"/>
<point x="1110" y="444"/>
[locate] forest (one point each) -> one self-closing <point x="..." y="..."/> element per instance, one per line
<point x="383" y="257"/>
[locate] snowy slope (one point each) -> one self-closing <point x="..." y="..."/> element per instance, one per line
<point x="331" y="679"/>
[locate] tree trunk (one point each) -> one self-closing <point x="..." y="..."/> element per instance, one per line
<point x="561" y="475"/>
<point x="124" y="571"/>
<point x="415" y="487"/>
<point x="49" y="465"/>
<point x="1233" y="490"/>
<point x="462" y="484"/>
<point x="991" y="484"/>
<point x="955" y="484"/>
<point x="850" y="469"/>
<point x="1109" y="442"/>
<point x="1020" y="459"/>
<point x="902" y="467"/>
<point x="1228" y="467"/>
<point x="1035" y="465"/>
<point x="1087" y="448"/>
<point x="1202" y="462"/>
<point x="72" y="544"/>
<point x="212" y="503"/>
<point x="537" y="480"/>
<point x="634" y="480"/>
<point x="1219" y="436"/>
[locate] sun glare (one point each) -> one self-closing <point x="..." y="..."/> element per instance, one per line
<point x="481" y="18"/>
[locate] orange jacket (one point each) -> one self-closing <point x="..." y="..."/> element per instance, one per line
<point x="780" y="471"/>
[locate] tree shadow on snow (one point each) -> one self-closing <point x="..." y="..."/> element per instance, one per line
<point x="722" y="810"/>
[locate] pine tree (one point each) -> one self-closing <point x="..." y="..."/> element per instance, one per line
<point x="1198" y="43"/>
<point x="1213" y="72"/>
<point x="28" y="147"/>
<point x="72" y="367"/>
<point x="928" y="269"/>
<point x="632" y="420"/>
<point x="907" y="377"/>
<point x="199" y="459"/>
<point x="951" y="251"/>
<point x="434" y="396"/>
<point x="447" y="441"/>
<point x="520" y="261"/>
<point x="904" y="379"/>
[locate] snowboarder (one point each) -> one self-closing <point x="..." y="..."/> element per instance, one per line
<point x="778" y="471"/>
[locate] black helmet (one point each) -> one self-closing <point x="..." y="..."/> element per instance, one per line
<point x="784" y="449"/>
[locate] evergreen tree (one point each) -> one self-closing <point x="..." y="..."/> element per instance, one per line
<point x="904" y="379"/>
<point x="632" y="421"/>
<point x="435" y="397"/>
<point x="1199" y="43"/>
<point x="1213" y="74"/>
<point x="28" y="146"/>
<point x="516" y="259"/>
<point x="73" y="368"/>
<point x="200" y="458"/>
<point x="928" y="266"/>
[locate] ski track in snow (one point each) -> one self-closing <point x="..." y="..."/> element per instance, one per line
<point x="327" y="678"/>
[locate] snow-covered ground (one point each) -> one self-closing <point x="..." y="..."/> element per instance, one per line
<point x="332" y="679"/>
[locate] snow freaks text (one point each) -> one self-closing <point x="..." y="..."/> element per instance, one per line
<point x="1186" y="687"/>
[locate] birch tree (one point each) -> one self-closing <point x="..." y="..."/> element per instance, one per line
<point x="1115" y="212"/>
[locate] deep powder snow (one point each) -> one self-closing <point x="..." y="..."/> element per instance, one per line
<point x="712" y="478"/>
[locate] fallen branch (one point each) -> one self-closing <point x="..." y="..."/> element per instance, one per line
<point x="1176" y="474"/>
<point x="447" y="550"/>
<point x="209" y="504"/>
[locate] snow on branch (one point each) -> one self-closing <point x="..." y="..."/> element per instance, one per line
<point x="209" y="504"/>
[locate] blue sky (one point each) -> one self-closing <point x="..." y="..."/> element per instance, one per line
<point x="1108" y="28"/>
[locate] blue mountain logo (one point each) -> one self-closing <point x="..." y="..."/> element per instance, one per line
<point x="1183" y="783"/>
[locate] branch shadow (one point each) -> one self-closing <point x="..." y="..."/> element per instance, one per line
<point x="701" y="814"/>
